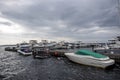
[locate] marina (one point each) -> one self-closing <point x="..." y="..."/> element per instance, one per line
<point x="58" y="49"/>
<point x="60" y="40"/>
<point x="17" y="67"/>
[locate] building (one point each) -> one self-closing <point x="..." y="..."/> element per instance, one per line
<point x="33" y="42"/>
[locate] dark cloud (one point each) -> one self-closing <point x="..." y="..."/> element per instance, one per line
<point x="73" y="12"/>
<point x="6" y="23"/>
<point x="63" y="18"/>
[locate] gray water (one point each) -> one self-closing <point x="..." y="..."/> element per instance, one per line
<point x="17" y="67"/>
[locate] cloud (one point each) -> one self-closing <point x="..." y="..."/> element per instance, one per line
<point x="73" y="12"/>
<point x="5" y="23"/>
<point x="62" y="19"/>
<point x="8" y="26"/>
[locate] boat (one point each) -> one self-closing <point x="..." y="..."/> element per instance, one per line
<point x="114" y="44"/>
<point x="40" y="52"/>
<point x="105" y="47"/>
<point x="10" y="48"/>
<point x="24" y="49"/>
<point x="90" y="58"/>
<point x="112" y="53"/>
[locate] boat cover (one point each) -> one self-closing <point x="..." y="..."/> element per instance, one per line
<point x="90" y="53"/>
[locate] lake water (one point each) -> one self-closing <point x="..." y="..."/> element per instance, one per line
<point x="17" y="67"/>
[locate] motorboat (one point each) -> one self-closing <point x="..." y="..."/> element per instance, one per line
<point x="105" y="47"/>
<point x="24" y="52"/>
<point x="115" y="44"/>
<point x="24" y="49"/>
<point x="40" y="52"/>
<point x="90" y="58"/>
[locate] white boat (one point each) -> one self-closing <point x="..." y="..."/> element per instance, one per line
<point x="24" y="53"/>
<point x="102" y="48"/>
<point x="24" y="50"/>
<point x="93" y="59"/>
<point x="115" y="44"/>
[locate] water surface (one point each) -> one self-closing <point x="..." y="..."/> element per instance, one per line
<point x="17" y="67"/>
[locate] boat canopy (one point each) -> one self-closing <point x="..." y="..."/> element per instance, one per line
<point x="90" y="53"/>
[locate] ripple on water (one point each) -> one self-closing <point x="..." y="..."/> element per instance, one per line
<point x="50" y="69"/>
<point x="9" y="65"/>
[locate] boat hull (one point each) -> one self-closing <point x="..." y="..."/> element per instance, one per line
<point x="91" y="61"/>
<point x="24" y="53"/>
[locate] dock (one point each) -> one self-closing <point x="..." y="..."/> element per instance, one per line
<point x="57" y="53"/>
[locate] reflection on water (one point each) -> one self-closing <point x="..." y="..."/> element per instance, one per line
<point x="17" y="67"/>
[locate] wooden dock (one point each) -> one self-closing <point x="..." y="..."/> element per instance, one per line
<point x="57" y="53"/>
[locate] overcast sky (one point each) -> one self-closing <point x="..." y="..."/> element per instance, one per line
<point x="70" y="20"/>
